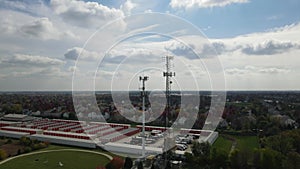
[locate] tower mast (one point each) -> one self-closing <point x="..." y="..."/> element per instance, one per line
<point x="168" y="75"/>
<point x="143" y="94"/>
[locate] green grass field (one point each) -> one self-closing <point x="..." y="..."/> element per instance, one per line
<point x="247" y="142"/>
<point x="243" y="143"/>
<point x="50" y="160"/>
<point x="222" y="144"/>
<point x="59" y="147"/>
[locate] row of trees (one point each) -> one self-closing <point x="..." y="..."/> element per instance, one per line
<point x="3" y="154"/>
<point x="31" y="144"/>
<point x="277" y="152"/>
<point x="118" y="163"/>
<point x="28" y="146"/>
<point x="203" y="156"/>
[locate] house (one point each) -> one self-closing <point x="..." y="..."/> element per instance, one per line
<point x="284" y="120"/>
<point x="223" y="123"/>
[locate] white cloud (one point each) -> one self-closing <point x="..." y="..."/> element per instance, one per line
<point x="274" y="17"/>
<point x="56" y="72"/>
<point x="72" y="69"/>
<point x="274" y="70"/>
<point x="128" y="6"/>
<point x="148" y="11"/>
<point x="180" y="49"/>
<point x="207" y="49"/>
<point x="247" y="70"/>
<point x="235" y="71"/>
<point x="203" y="3"/>
<point x="40" y="28"/>
<point x="26" y="6"/>
<point x="31" y="27"/>
<point x="10" y="21"/>
<point x="270" y="47"/>
<point x="85" y="14"/>
<point x="32" y="67"/>
<point x="13" y="4"/>
<point x="273" y="55"/>
<point x="39" y="73"/>
<point x="7" y="25"/>
<point x="273" y="42"/>
<point x="290" y="27"/>
<point x="76" y="52"/>
<point x="131" y="55"/>
<point x="30" y="60"/>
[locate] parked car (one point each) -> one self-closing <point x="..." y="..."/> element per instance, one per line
<point x="181" y="147"/>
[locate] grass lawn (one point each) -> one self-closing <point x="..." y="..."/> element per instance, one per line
<point x="247" y="142"/>
<point x="50" y="160"/>
<point x="222" y="144"/>
<point x="243" y="143"/>
<point x="58" y="147"/>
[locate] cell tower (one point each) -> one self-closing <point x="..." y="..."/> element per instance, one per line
<point x="143" y="94"/>
<point x="168" y="75"/>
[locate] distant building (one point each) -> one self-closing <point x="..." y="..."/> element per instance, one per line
<point x="17" y="117"/>
<point x="110" y="136"/>
<point x="37" y="113"/>
<point x="223" y="123"/>
<point x="284" y="120"/>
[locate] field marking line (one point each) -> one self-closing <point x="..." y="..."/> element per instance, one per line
<point x="47" y="151"/>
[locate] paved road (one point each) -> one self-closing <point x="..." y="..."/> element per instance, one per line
<point x="47" y="151"/>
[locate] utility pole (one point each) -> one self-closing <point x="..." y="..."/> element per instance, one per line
<point x="168" y="74"/>
<point x="143" y="94"/>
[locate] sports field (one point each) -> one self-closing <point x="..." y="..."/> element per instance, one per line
<point x="59" y="159"/>
<point x="222" y="144"/>
<point x="247" y="142"/>
<point x="242" y="142"/>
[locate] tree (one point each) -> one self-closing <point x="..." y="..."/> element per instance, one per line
<point x="201" y="154"/>
<point x="72" y="116"/>
<point x="128" y="163"/>
<point x="280" y="143"/>
<point x="239" y="159"/>
<point x="3" y="154"/>
<point x="234" y="159"/>
<point x="189" y="157"/>
<point x="109" y="166"/>
<point x="271" y="159"/>
<point x="16" y="108"/>
<point x="25" y="141"/>
<point x="257" y="159"/>
<point x="100" y="167"/>
<point x="115" y="163"/>
<point x="293" y="161"/>
<point x="12" y="108"/>
<point x="201" y="149"/>
<point x="272" y="131"/>
<point x="294" y="135"/>
<point x="27" y="149"/>
<point x="9" y="141"/>
<point x="267" y="158"/>
<point x="140" y="165"/>
<point x="19" y="152"/>
<point x="218" y="159"/>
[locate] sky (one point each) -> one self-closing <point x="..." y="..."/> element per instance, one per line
<point x="107" y="44"/>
